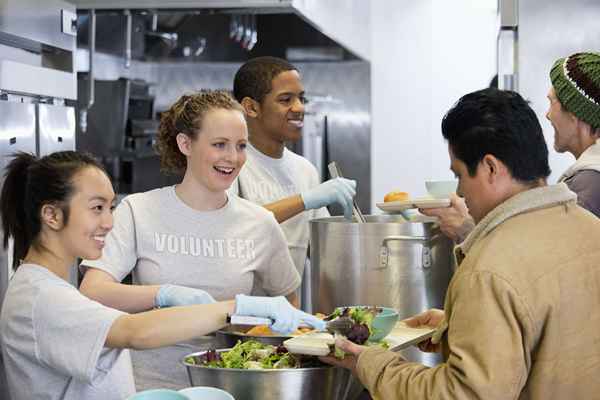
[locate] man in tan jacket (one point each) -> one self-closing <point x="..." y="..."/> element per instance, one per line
<point x="521" y="318"/>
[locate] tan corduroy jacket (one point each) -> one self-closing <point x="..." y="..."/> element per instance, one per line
<point x="522" y="310"/>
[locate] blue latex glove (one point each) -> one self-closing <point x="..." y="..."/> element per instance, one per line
<point x="173" y="295"/>
<point x="286" y="317"/>
<point x="337" y="190"/>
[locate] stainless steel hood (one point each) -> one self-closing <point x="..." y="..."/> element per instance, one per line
<point x="179" y="4"/>
<point x="189" y="30"/>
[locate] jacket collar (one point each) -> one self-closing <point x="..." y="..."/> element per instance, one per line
<point x="529" y="200"/>
<point x="589" y="159"/>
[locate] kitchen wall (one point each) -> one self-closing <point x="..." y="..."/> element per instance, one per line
<point x="424" y="55"/>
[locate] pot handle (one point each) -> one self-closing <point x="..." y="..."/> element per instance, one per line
<point x="384" y="250"/>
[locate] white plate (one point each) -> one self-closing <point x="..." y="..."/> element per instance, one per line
<point x="403" y="336"/>
<point x="401" y="205"/>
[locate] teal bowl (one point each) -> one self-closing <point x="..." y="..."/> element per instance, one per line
<point x="205" y="393"/>
<point x="383" y="323"/>
<point x="158" y="394"/>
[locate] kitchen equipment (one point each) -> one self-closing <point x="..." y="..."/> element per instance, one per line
<point x="322" y="382"/>
<point x="121" y="131"/>
<point x="341" y="325"/>
<point x="386" y="261"/>
<point x="335" y="172"/>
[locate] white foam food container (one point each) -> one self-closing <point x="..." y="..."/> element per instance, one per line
<point x="312" y="344"/>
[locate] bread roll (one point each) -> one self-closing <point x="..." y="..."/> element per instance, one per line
<point x="395" y="196"/>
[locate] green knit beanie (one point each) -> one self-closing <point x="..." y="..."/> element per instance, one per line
<point x="576" y="81"/>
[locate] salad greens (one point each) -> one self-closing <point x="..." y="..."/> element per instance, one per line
<point x="248" y="355"/>
<point x="363" y="321"/>
<point x="361" y="330"/>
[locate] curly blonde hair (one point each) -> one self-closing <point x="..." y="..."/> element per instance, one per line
<point x="185" y="116"/>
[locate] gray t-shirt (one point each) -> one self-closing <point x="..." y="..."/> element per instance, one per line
<point x="237" y="249"/>
<point x="264" y="180"/>
<point x="53" y="342"/>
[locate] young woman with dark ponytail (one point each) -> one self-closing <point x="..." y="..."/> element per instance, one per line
<point x="57" y="343"/>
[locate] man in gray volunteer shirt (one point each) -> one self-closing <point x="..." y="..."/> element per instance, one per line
<point x="272" y="95"/>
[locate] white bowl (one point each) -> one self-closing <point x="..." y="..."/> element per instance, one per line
<point x="205" y="393"/>
<point x="158" y="394"/>
<point x="441" y="189"/>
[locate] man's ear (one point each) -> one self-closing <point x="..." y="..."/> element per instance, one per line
<point x="251" y="107"/>
<point x="52" y="216"/>
<point x="184" y="142"/>
<point x="493" y="168"/>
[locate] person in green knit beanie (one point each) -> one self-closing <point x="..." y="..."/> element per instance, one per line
<point x="574" y="113"/>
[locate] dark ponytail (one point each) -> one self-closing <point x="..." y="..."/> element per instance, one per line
<point x="29" y="184"/>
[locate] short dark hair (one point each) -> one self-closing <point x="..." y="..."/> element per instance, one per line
<point x="30" y="183"/>
<point x="500" y="123"/>
<point x="254" y="78"/>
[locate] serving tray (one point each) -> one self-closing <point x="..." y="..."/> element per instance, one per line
<point x="317" y="343"/>
<point x="401" y="205"/>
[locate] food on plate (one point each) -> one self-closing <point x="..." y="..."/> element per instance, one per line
<point x="363" y="321"/>
<point x="264" y="330"/>
<point x="251" y="355"/>
<point x="362" y="328"/>
<point x="395" y="196"/>
<point x="260" y="330"/>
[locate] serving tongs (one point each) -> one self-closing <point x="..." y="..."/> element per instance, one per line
<point x="335" y="172"/>
<point x="341" y="325"/>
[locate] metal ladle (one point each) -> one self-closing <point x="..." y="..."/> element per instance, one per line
<point x="335" y="172"/>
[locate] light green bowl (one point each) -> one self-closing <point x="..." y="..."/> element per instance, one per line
<point x="206" y="393"/>
<point x="383" y="323"/>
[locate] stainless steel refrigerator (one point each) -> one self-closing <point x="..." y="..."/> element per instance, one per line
<point x="37" y="91"/>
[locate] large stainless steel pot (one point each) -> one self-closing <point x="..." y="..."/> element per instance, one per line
<point x="386" y="261"/>
<point x="323" y="382"/>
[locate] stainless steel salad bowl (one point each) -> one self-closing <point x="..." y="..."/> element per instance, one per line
<point x="229" y="336"/>
<point x="321" y="382"/>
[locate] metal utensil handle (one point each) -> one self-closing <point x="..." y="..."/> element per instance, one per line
<point x="334" y="171"/>
<point x="384" y="250"/>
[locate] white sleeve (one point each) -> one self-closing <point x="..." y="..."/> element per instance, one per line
<point x="278" y="273"/>
<point x="70" y="331"/>
<point x="119" y="256"/>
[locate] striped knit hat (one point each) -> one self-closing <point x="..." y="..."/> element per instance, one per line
<point x="576" y="81"/>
